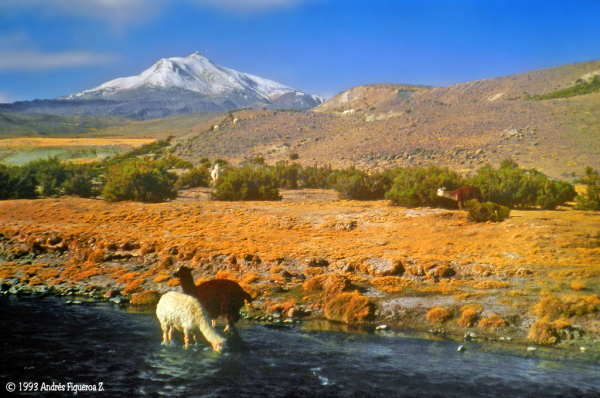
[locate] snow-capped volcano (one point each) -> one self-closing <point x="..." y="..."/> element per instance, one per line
<point x="195" y="84"/>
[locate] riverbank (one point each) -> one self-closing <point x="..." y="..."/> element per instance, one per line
<point x="530" y="281"/>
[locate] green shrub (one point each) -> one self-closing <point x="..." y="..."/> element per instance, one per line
<point x="294" y="156"/>
<point x="590" y="200"/>
<point x="15" y="183"/>
<point x="482" y="212"/>
<point x="580" y="87"/>
<point x="141" y="181"/>
<point x="49" y="173"/>
<point x="195" y="177"/>
<point x="286" y="174"/>
<point x="79" y="185"/>
<point x="358" y="185"/>
<point x="416" y="187"/>
<point x="314" y="177"/>
<point x="512" y="186"/>
<point x="250" y="182"/>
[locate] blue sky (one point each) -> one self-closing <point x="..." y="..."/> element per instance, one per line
<point x="50" y="48"/>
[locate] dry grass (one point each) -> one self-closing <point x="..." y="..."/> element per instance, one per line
<point x="350" y="308"/>
<point x="438" y="315"/>
<point x="493" y="322"/>
<point x="470" y="315"/>
<point x="146" y="298"/>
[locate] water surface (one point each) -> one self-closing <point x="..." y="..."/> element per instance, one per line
<point x="44" y="340"/>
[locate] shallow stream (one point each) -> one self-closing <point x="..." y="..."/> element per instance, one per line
<point x="46" y="341"/>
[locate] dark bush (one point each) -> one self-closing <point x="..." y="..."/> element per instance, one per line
<point x="590" y="200"/>
<point x="195" y="177"/>
<point x="358" y="185"/>
<point x="141" y="181"/>
<point x="286" y="174"/>
<point x="314" y="177"/>
<point x="80" y="185"/>
<point x="416" y="187"/>
<point x="250" y="182"/>
<point x="15" y="183"/>
<point x="482" y="212"/>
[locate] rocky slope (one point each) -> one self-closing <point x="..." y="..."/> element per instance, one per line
<point x="463" y="126"/>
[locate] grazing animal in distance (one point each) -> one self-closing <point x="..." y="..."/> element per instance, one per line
<point x="217" y="296"/>
<point x="215" y="174"/>
<point x="348" y="112"/>
<point x="182" y="312"/>
<point x="461" y="194"/>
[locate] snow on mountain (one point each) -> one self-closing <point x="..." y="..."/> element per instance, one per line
<point x="195" y="74"/>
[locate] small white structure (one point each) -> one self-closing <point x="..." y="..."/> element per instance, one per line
<point x="215" y="174"/>
<point x="348" y="112"/>
<point x="182" y="312"/>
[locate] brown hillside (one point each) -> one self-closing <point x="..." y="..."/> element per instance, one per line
<point x="463" y="126"/>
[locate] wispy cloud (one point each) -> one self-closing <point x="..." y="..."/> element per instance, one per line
<point x="115" y="12"/>
<point x="249" y="6"/>
<point x="4" y="98"/>
<point x="133" y="12"/>
<point x="33" y="60"/>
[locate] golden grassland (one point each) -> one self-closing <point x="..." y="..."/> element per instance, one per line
<point x="534" y="277"/>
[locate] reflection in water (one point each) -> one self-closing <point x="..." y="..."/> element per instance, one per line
<point x="44" y="340"/>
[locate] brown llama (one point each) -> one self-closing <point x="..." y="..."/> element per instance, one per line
<point x="461" y="194"/>
<point x="217" y="296"/>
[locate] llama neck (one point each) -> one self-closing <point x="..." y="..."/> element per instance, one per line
<point x="187" y="285"/>
<point x="450" y="195"/>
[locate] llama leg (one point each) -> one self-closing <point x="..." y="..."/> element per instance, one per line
<point x="186" y="338"/>
<point x="165" y="333"/>
<point x="213" y="322"/>
<point x="170" y="333"/>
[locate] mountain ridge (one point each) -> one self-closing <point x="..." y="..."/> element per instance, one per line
<point x="174" y="86"/>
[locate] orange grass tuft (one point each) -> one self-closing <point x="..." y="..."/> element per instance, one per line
<point x="469" y="315"/>
<point x="438" y="315"/>
<point x="128" y="277"/>
<point x="491" y="285"/>
<point x="390" y="284"/>
<point x="350" y="308"/>
<point x="250" y="277"/>
<point x="493" y="322"/>
<point x="161" y="278"/>
<point x="133" y="286"/>
<point x="146" y="298"/>
<point x="224" y="274"/>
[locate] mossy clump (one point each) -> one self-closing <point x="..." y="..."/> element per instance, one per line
<point x="483" y="212"/>
<point x="146" y="298"/>
<point x="438" y="315"/>
<point x="350" y="308"/>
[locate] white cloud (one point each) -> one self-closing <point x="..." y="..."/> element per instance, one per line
<point x="116" y="12"/>
<point x="33" y="60"/>
<point x="120" y="13"/>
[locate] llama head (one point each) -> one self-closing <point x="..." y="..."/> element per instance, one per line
<point x="441" y="191"/>
<point x="218" y="347"/>
<point x="183" y="272"/>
